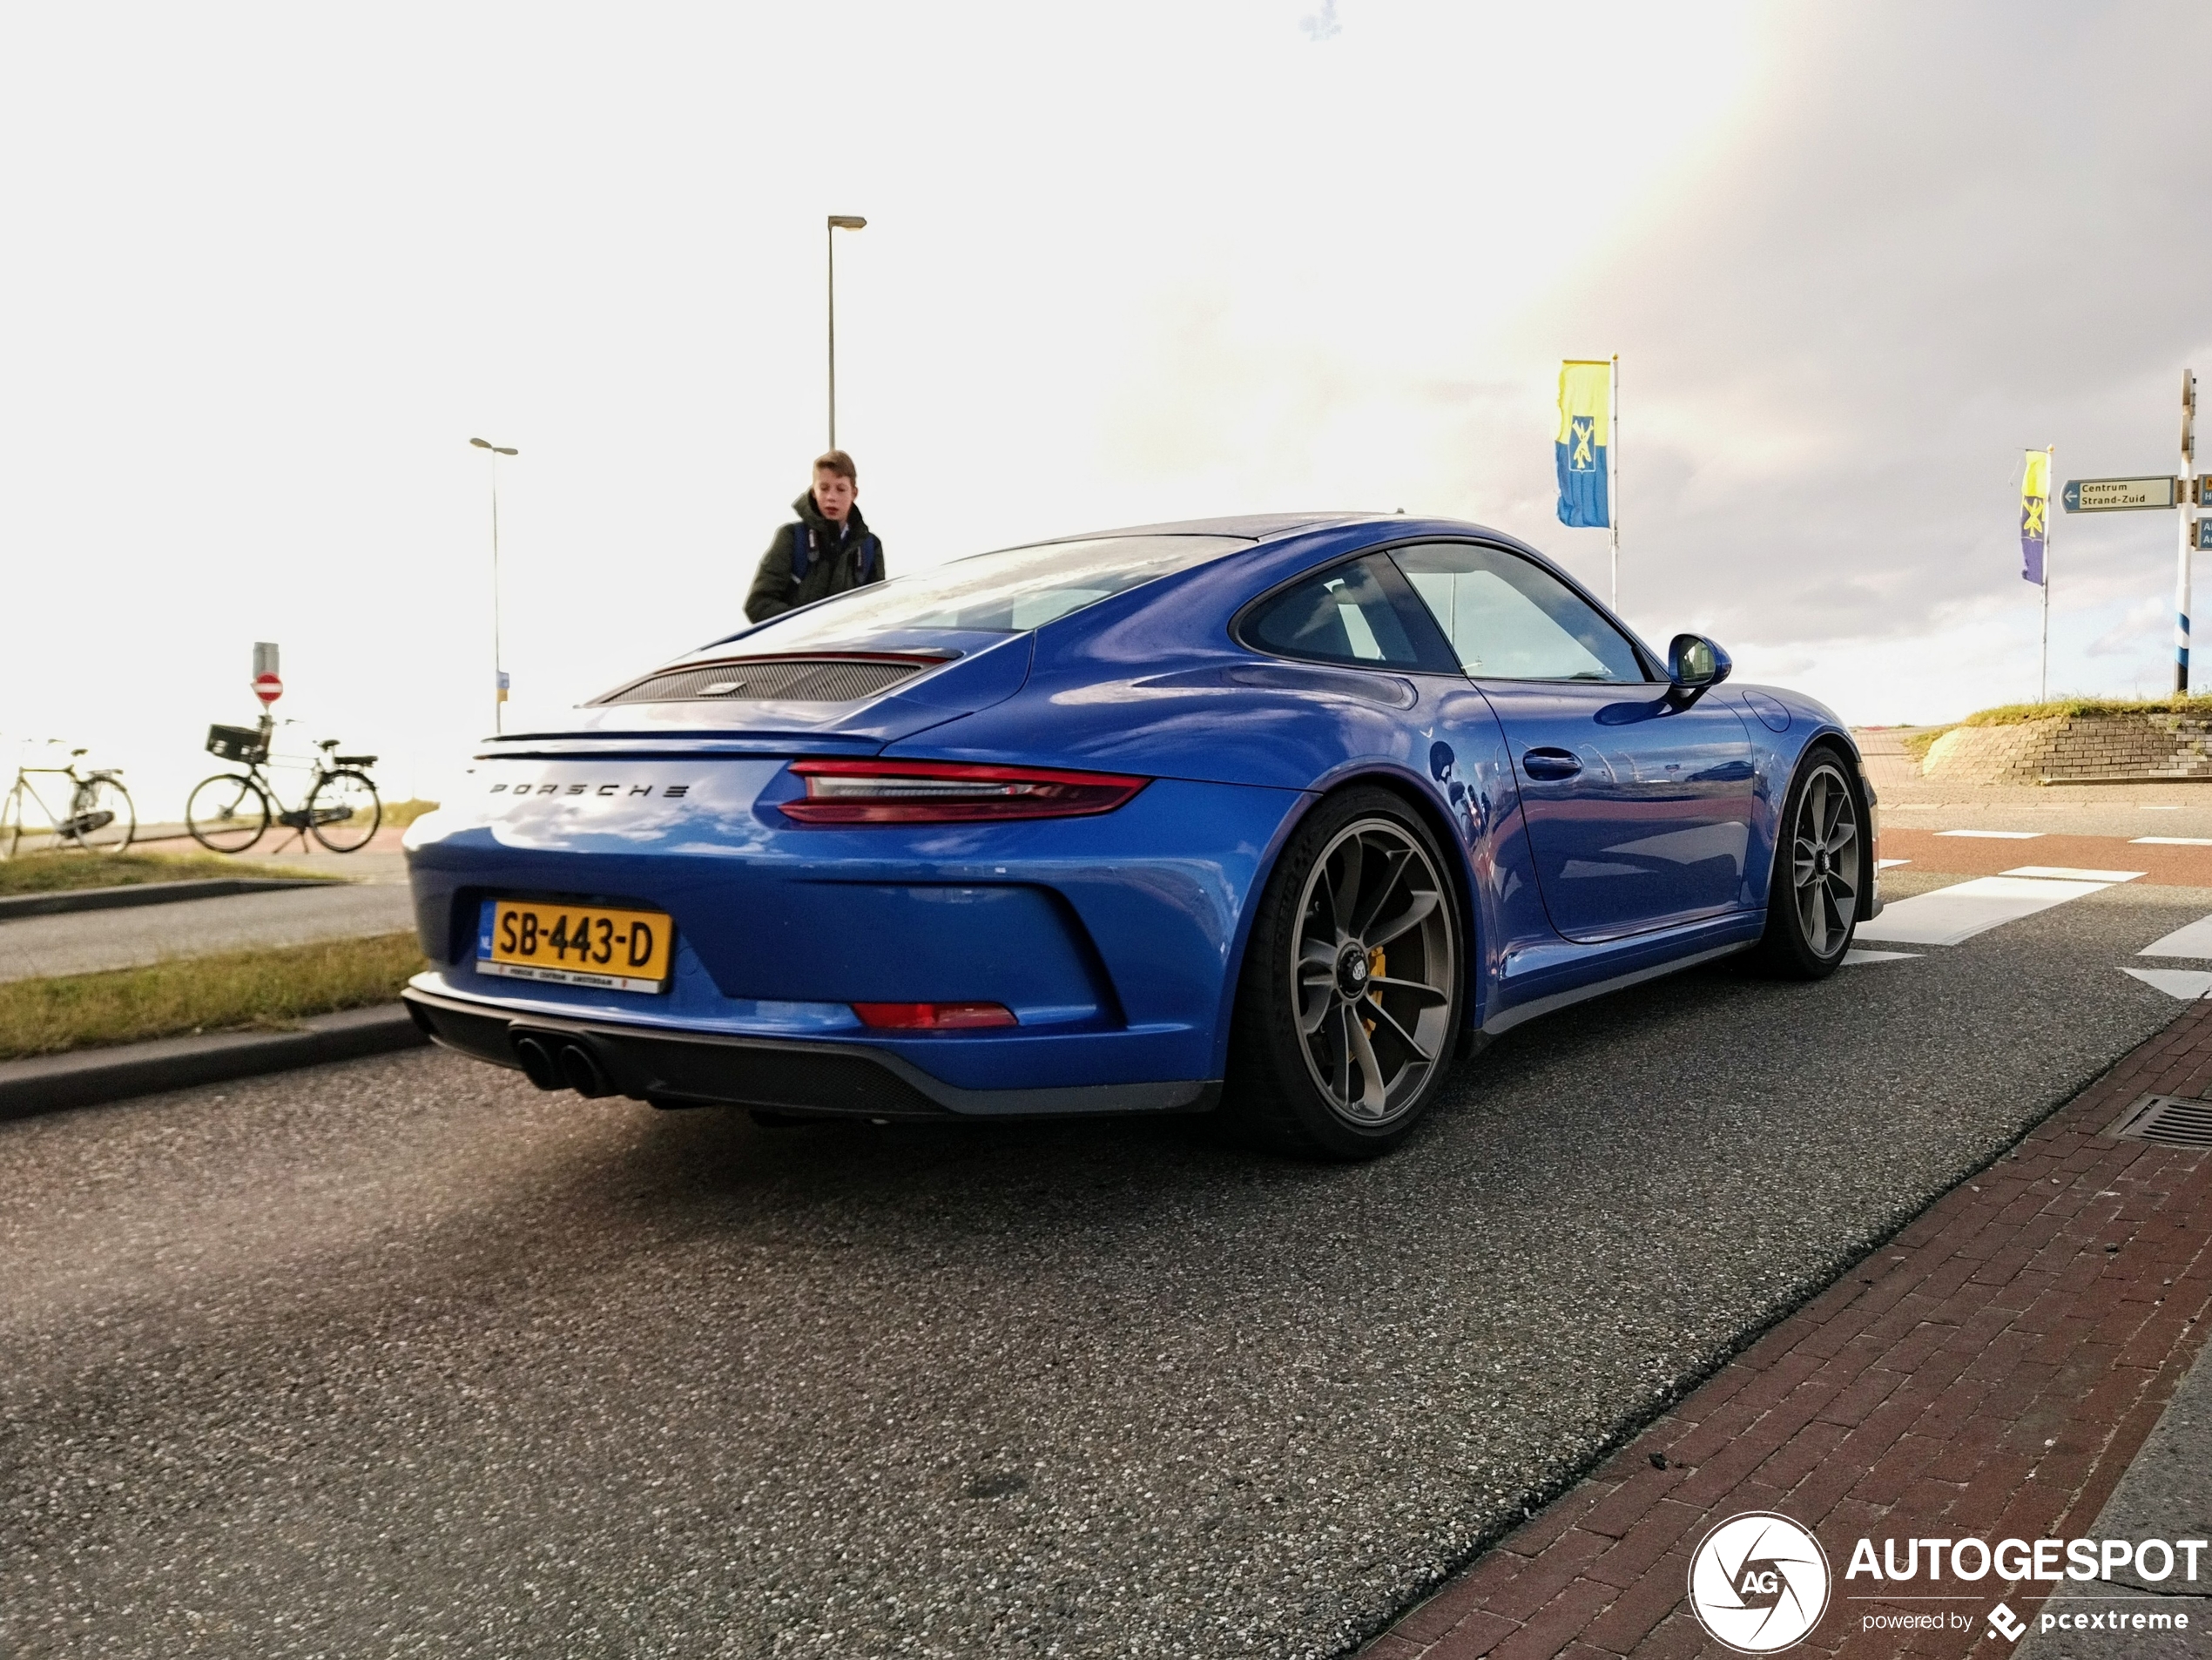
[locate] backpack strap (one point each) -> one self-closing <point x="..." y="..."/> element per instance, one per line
<point x="802" y="547"/>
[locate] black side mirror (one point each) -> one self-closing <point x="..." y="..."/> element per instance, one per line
<point x="1695" y="665"/>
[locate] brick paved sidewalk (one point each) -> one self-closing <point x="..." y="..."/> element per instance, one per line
<point x="1988" y="1374"/>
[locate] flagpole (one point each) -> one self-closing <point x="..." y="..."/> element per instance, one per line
<point x="1612" y="487"/>
<point x="2043" y="688"/>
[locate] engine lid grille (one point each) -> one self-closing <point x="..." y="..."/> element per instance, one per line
<point x="783" y="679"/>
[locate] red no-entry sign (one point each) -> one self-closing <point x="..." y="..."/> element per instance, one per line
<point x="268" y="688"/>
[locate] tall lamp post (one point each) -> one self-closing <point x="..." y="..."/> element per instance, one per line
<point x="836" y="222"/>
<point x="498" y="669"/>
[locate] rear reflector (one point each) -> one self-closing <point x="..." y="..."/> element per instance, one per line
<point x="949" y="793"/>
<point x="933" y="1017"/>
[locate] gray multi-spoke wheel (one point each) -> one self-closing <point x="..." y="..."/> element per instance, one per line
<point x="1820" y="871"/>
<point x="1348" y="1006"/>
<point x="1373" y="1029"/>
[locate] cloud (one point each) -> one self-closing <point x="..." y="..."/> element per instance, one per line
<point x="2141" y="625"/>
<point x="1120" y="267"/>
<point x="1322" y="25"/>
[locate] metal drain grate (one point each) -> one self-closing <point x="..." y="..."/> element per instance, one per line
<point x="2170" y="1120"/>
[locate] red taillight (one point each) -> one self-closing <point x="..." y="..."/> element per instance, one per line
<point x="933" y="1017"/>
<point x="949" y="793"/>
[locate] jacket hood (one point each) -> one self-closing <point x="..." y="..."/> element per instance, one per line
<point x="811" y="516"/>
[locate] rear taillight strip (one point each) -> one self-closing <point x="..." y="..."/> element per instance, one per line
<point x="949" y="793"/>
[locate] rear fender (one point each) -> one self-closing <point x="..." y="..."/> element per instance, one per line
<point x="1420" y="797"/>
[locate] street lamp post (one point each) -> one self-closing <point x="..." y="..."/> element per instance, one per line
<point x="836" y="222"/>
<point x="498" y="669"/>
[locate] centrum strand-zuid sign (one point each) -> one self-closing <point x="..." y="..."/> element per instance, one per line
<point x="2121" y="494"/>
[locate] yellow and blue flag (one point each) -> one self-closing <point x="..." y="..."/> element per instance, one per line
<point x="2035" y="505"/>
<point x="1584" y="431"/>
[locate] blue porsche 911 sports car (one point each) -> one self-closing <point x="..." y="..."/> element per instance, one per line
<point x="1272" y="816"/>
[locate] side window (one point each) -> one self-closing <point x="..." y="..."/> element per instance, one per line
<point x="1509" y="619"/>
<point x="1343" y="615"/>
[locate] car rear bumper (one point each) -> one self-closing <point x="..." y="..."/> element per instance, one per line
<point x="678" y="1069"/>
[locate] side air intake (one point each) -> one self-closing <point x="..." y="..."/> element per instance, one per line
<point x="779" y="679"/>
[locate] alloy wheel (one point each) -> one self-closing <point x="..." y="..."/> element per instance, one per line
<point x="1824" y="860"/>
<point x="1374" y="969"/>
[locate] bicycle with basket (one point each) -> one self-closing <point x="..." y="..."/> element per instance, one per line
<point x="230" y="812"/>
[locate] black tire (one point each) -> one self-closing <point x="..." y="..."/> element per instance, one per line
<point x="353" y="795"/>
<point x="227" y="813"/>
<point x="11" y="822"/>
<point x="1340" y="1058"/>
<point x="92" y="799"/>
<point x="1823" y="869"/>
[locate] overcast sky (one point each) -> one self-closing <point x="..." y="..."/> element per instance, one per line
<point x="268" y="270"/>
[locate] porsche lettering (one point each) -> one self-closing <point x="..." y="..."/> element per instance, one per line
<point x="668" y="792"/>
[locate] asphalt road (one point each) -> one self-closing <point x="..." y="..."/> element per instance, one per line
<point x="402" y="1357"/>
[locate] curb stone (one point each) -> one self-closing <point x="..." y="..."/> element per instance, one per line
<point x="90" y="1077"/>
<point x="108" y="899"/>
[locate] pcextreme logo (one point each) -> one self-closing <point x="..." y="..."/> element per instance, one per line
<point x="1758" y="1582"/>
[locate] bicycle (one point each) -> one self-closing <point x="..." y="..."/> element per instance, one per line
<point x="229" y="812"/>
<point x="101" y="818"/>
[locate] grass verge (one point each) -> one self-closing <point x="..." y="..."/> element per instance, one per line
<point x="235" y="991"/>
<point x="66" y="869"/>
<point x="403" y="813"/>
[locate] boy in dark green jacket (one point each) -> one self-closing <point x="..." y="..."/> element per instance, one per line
<point x="828" y="550"/>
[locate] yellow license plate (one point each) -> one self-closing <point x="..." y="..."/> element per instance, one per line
<point x="576" y="945"/>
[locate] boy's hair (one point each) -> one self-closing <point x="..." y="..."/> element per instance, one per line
<point x="837" y="461"/>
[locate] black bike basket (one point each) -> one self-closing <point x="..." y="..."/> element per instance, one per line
<point x="241" y="744"/>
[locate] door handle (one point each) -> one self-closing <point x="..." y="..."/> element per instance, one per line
<point x="1549" y="764"/>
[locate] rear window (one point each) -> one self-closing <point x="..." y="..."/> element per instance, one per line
<point x="1008" y="592"/>
<point x="1345" y="614"/>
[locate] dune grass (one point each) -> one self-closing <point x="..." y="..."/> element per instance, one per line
<point x="1918" y="743"/>
<point x="2012" y="714"/>
<point x="265" y="990"/>
<point x="63" y="869"/>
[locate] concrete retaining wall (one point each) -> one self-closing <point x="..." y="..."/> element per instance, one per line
<point x="2075" y="749"/>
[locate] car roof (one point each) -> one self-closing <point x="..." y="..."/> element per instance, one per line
<point x="1251" y="527"/>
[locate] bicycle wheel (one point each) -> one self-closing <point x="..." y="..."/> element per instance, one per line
<point x="11" y="823"/>
<point x="227" y="813"/>
<point x="101" y="818"/>
<point x="343" y="811"/>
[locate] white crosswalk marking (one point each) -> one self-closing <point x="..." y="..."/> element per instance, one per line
<point x="2194" y="940"/>
<point x="2170" y="841"/>
<point x="2068" y="874"/>
<point x="1856" y="955"/>
<point x="2188" y="984"/>
<point x="1951" y="914"/>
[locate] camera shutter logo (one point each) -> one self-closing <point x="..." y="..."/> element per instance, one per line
<point x="1758" y="1582"/>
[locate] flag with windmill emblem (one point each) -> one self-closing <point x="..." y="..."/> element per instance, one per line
<point x="2035" y="505"/>
<point x="1584" y="391"/>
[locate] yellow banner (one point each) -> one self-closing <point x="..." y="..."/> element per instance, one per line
<point x="1584" y="393"/>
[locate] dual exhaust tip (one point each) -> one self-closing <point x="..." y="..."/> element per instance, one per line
<point x="552" y="1061"/>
